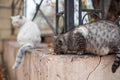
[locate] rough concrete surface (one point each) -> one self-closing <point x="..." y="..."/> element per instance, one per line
<point x="38" y="65"/>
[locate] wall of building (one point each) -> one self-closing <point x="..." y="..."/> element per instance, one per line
<point x="5" y="21"/>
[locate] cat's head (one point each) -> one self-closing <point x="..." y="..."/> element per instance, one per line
<point x="60" y="44"/>
<point x="18" y="21"/>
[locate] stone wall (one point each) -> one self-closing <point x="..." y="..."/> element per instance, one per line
<point x="38" y="65"/>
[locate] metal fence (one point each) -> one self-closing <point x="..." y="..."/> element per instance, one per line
<point x="68" y="14"/>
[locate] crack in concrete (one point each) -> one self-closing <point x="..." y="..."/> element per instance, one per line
<point x="94" y="69"/>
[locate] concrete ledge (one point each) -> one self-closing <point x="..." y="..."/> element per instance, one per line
<point x="42" y="66"/>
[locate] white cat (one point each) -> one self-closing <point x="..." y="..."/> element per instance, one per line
<point x="29" y="36"/>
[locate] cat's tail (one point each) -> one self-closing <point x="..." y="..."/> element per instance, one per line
<point x="116" y="63"/>
<point x="20" y="54"/>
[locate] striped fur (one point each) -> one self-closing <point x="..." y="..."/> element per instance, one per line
<point x="116" y="63"/>
<point x="20" y="54"/>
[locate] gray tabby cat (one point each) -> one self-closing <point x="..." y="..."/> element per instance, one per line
<point x="29" y="36"/>
<point x="100" y="38"/>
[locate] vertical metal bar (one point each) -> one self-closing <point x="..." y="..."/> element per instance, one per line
<point x="69" y="14"/>
<point x="80" y="13"/>
<point x="65" y="13"/>
<point x="102" y="9"/>
<point x="57" y="17"/>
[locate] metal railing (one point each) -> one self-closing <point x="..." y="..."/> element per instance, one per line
<point x="68" y="14"/>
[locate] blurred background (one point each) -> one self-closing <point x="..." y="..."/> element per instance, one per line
<point x="45" y="17"/>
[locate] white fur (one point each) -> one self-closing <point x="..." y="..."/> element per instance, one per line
<point x="82" y="30"/>
<point x="17" y="22"/>
<point x="29" y="33"/>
